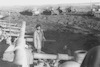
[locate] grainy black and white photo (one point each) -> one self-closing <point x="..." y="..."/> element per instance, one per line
<point x="49" y="33"/>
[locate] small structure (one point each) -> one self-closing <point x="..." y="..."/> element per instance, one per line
<point x="96" y="10"/>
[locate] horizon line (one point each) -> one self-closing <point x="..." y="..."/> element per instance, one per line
<point x="71" y="4"/>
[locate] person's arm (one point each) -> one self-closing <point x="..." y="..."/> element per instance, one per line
<point x="44" y="39"/>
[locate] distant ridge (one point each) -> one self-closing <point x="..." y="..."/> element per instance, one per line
<point x="17" y="7"/>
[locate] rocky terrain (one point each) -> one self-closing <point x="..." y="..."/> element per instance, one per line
<point x="78" y="23"/>
<point x="72" y="31"/>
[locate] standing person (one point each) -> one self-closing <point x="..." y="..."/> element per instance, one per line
<point x="38" y="38"/>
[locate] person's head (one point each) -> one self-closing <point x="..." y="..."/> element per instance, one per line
<point x="38" y="27"/>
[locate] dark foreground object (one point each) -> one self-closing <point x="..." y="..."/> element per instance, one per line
<point x="3" y="47"/>
<point x="10" y="64"/>
<point x="92" y="58"/>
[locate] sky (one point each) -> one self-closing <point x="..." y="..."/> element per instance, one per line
<point x="41" y="2"/>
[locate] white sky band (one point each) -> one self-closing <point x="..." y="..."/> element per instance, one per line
<point x="41" y="2"/>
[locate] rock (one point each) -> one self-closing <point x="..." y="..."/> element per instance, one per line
<point x="70" y="64"/>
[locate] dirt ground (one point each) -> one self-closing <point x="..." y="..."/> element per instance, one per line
<point x="66" y="42"/>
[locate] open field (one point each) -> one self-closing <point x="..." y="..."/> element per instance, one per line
<point x="69" y="30"/>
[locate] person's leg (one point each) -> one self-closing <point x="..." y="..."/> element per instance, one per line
<point x="39" y="46"/>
